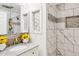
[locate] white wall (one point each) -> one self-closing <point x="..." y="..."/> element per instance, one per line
<point x="38" y="38"/>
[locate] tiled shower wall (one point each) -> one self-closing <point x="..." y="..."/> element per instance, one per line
<point x="64" y="40"/>
<point x="51" y="33"/>
<point x="51" y="38"/>
<point x="67" y="38"/>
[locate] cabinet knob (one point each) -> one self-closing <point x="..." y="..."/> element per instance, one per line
<point x="32" y="52"/>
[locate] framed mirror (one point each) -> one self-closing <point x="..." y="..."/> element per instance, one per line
<point x="14" y="25"/>
<point x="10" y="18"/>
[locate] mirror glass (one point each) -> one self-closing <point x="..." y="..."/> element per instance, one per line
<point x="13" y="17"/>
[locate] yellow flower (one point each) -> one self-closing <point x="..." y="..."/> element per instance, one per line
<point x="25" y="36"/>
<point x="3" y="39"/>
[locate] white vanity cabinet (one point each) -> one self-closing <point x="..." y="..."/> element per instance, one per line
<point x="29" y="49"/>
<point x="31" y="52"/>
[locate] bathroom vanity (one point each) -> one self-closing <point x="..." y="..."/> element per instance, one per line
<point x="30" y="49"/>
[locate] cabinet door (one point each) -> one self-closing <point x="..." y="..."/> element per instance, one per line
<point x="3" y="22"/>
<point x="32" y="52"/>
<point x="76" y="11"/>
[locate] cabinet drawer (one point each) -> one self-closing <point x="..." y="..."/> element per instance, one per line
<point x="32" y="52"/>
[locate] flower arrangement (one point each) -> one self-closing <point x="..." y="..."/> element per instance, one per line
<point x="3" y="42"/>
<point x="25" y="37"/>
<point x="3" y="39"/>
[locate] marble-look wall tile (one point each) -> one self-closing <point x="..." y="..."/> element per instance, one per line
<point x="51" y="25"/>
<point x="69" y="48"/>
<point x="55" y="40"/>
<point x="76" y="49"/>
<point x="51" y="39"/>
<point x="60" y="25"/>
<point x="51" y="43"/>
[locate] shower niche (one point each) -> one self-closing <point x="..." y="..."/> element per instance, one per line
<point x="72" y="22"/>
